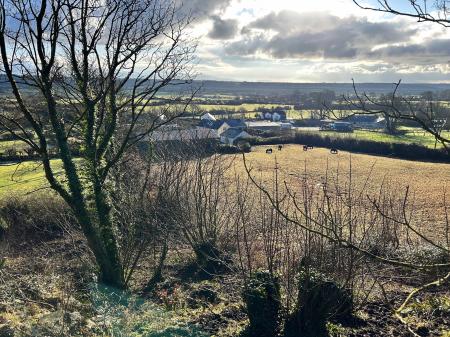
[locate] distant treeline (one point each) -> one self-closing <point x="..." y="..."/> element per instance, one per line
<point x="397" y="150"/>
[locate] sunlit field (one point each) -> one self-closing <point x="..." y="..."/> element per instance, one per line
<point x="24" y="178"/>
<point x="427" y="182"/>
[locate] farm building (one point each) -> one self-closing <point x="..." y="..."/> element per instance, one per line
<point x="233" y="134"/>
<point x="342" y="127"/>
<point x="184" y="134"/>
<point x="222" y="125"/>
<point x="286" y="126"/>
<point x="366" y="121"/>
<point x="263" y="126"/>
<point x="210" y="124"/>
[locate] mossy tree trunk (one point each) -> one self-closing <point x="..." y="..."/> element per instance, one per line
<point x="89" y="95"/>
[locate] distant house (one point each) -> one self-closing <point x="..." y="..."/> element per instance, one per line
<point x="222" y="125"/>
<point x="210" y="124"/>
<point x="366" y="121"/>
<point x="231" y="135"/>
<point x="263" y="126"/>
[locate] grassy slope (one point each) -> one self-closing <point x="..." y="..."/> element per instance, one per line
<point x="412" y="135"/>
<point x="23" y="178"/>
<point x="427" y="181"/>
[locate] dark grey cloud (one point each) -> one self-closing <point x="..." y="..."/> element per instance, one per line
<point x="203" y="9"/>
<point x="289" y="34"/>
<point x="223" y="29"/>
<point x="429" y="52"/>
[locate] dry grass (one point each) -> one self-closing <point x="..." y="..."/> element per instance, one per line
<point x="426" y="181"/>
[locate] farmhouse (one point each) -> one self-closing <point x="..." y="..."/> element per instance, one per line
<point x="222" y="125"/>
<point x="233" y="134"/>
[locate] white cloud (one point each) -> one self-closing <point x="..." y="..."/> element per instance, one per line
<point x="367" y="56"/>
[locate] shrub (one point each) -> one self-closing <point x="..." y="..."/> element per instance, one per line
<point x="210" y="259"/>
<point x="319" y="300"/>
<point x="244" y="146"/>
<point x="34" y="218"/>
<point x="228" y="149"/>
<point x="261" y="296"/>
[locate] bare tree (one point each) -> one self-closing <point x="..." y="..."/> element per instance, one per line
<point x="345" y="226"/>
<point x="83" y="74"/>
<point x="423" y="10"/>
<point x="396" y="108"/>
<point x="436" y="11"/>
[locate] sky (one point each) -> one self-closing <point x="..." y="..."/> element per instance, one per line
<point x="316" y="41"/>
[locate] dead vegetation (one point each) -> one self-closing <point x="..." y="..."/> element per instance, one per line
<point x="281" y="221"/>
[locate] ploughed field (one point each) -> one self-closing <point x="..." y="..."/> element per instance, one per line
<point x="427" y="182"/>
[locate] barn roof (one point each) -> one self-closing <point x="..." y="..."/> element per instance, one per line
<point x="208" y="116"/>
<point x="235" y="123"/>
<point x="232" y="133"/>
<point x="206" y="123"/>
<point x="261" y="124"/>
<point x="184" y="134"/>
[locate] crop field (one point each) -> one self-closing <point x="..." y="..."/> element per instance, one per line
<point x="427" y="182"/>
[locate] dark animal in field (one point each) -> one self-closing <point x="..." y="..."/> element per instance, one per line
<point x="305" y="147"/>
<point x="334" y="151"/>
<point x="310" y="147"/>
<point x="280" y="147"/>
<point x="268" y="151"/>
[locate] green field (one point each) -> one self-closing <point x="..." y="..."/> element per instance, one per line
<point x="17" y="145"/>
<point x="408" y="135"/>
<point x="252" y="109"/>
<point x="24" y="178"/>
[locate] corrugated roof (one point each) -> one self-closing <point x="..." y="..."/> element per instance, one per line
<point x="232" y="133"/>
<point x="184" y="134"/>
<point x="260" y="124"/>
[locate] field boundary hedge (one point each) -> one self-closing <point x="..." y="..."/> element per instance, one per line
<point x="387" y="149"/>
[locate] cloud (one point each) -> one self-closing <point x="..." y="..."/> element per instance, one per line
<point x="429" y="52"/>
<point x="289" y="34"/>
<point x="223" y="29"/>
<point x="202" y="9"/>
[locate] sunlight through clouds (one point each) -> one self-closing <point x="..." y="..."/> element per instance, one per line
<point x="303" y="40"/>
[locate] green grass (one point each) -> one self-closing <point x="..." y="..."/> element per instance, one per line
<point x="410" y="135"/>
<point x="17" y="145"/>
<point x="24" y="178"/>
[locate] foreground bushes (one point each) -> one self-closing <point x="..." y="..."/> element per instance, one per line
<point x="319" y="300"/>
<point x="261" y="296"/>
<point x="38" y="217"/>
